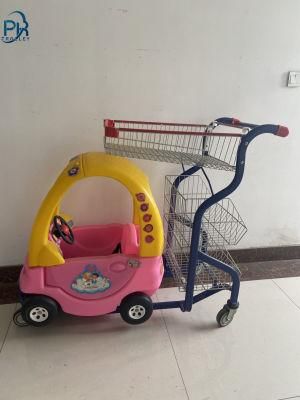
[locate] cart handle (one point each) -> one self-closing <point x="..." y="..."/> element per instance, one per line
<point x="278" y="130"/>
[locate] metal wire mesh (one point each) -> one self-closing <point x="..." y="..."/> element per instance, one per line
<point x="187" y="144"/>
<point x="221" y="225"/>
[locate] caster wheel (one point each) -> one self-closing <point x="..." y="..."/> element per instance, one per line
<point x="136" y="309"/>
<point x="39" y="310"/>
<point x="225" y="316"/>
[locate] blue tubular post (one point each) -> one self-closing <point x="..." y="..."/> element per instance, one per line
<point x="205" y="294"/>
<point x="195" y="253"/>
<point x="177" y="182"/>
<point x="163" y="305"/>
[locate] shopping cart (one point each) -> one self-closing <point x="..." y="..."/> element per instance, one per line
<point x="200" y="224"/>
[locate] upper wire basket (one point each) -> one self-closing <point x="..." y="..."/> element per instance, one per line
<point x="221" y="221"/>
<point x="222" y="225"/>
<point x="188" y="144"/>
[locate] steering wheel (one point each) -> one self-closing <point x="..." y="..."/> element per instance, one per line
<point x="63" y="229"/>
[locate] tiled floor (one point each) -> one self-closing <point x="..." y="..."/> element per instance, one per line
<point x="173" y="356"/>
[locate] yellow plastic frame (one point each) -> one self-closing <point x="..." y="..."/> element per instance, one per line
<point x="43" y="252"/>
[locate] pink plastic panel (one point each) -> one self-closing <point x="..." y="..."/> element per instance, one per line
<point x="129" y="241"/>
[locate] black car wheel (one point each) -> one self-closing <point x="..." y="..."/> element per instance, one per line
<point x="39" y="310"/>
<point x="136" y="308"/>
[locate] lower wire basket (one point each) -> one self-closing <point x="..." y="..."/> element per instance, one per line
<point x="221" y="225"/>
<point x="207" y="276"/>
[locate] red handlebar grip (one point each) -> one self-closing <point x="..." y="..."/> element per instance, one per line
<point x="283" y="131"/>
<point x="235" y="121"/>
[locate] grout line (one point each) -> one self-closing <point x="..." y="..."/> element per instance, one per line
<point x="184" y="385"/>
<point x="290" y="398"/>
<point x="295" y="304"/>
<point x="7" y="330"/>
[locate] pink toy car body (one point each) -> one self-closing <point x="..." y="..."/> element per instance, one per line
<point x="93" y="269"/>
<point x="104" y="280"/>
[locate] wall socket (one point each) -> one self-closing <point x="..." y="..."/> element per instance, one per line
<point x="293" y="79"/>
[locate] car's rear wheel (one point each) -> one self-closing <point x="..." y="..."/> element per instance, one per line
<point x="39" y="310"/>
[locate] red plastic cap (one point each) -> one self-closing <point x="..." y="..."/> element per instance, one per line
<point x="235" y="121"/>
<point x="283" y="131"/>
<point x="109" y="123"/>
<point x="111" y="132"/>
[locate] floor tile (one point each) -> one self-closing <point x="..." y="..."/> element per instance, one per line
<point x="84" y="358"/>
<point x="257" y="357"/>
<point x="291" y="286"/>
<point x="6" y="312"/>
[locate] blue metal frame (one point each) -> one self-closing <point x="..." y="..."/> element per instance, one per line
<point x="195" y="253"/>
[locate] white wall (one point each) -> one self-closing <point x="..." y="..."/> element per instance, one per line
<point x="191" y="60"/>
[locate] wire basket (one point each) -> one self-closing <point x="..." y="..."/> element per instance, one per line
<point x="221" y="225"/>
<point x="222" y="221"/>
<point x="188" y="144"/>
<point x="207" y="276"/>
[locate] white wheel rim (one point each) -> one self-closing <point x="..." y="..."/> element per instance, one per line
<point x="38" y="314"/>
<point x="137" y="312"/>
<point x="225" y="320"/>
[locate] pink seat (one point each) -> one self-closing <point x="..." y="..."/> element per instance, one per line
<point x="129" y="240"/>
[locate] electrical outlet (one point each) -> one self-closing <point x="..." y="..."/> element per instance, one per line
<point x="294" y="79"/>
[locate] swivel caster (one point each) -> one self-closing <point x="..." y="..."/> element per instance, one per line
<point x="225" y="315"/>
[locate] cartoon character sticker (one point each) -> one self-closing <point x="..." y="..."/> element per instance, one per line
<point x="90" y="281"/>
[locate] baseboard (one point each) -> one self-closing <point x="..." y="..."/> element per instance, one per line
<point x="274" y="253"/>
<point x="9" y="276"/>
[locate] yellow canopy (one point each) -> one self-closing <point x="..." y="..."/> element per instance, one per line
<point x="44" y="253"/>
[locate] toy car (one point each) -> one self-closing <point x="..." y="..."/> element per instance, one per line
<point x="94" y="269"/>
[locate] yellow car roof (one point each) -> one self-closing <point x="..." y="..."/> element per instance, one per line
<point x="43" y="252"/>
